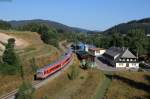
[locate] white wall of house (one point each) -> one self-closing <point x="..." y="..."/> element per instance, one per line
<point x="120" y="65"/>
<point x="102" y="52"/>
<point x="130" y="65"/>
<point x="86" y="48"/>
<point x="97" y="53"/>
<point x="134" y="65"/>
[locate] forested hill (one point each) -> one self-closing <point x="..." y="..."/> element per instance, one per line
<point x="52" y="24"/>
<point x="124" y="28"/>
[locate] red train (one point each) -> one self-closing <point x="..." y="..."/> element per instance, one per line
<point x="48" y="70"/>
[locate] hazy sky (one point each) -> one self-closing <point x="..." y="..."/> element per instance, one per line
<point x="88" y="14"/>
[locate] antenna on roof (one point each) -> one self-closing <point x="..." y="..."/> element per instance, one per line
<point x="137" y="53"/>
<point x="123" y="48"/>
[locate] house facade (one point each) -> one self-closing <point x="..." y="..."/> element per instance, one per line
<point x="121" y="58"/>
<point x="97" y="51"/>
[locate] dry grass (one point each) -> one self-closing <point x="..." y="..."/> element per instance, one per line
<point x="44" y="54"/>
<point x="84" y="87"/>
<point x="130" y="85"/>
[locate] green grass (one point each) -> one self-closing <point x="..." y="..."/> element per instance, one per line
<point x="83" y="87"/>
<point x="129" y="85"/>
<point x="43" y="53"/>
<point x="103" y="88"/>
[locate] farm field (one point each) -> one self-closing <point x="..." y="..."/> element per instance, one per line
<point x="129" y="85"/>
<point x="83" y="87"/>
<point x="42" y="53"/>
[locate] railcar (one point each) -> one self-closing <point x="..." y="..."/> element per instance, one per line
<point x="50" y="69"/>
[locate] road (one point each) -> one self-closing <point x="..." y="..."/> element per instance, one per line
<point x="38" y="84"/>
<point x="105" y="67"/>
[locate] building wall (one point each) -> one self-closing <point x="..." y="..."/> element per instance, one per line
<point x="118" y="65"/>
<point x="134" y="65"/>
<point x="99" y="53"/>
<point x="130" y="65"/>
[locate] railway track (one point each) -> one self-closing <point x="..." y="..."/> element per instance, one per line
<point x="11" y="95"/>
<point x="37" y="84"/>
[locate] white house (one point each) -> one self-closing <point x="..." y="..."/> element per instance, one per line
<point x="97" y="51"/>
<point x="121" y="58"/>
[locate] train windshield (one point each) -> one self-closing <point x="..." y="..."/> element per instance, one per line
<point x="39" y="73"/>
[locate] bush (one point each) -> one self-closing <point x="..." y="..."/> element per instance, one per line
<point x="74" y="73"/>
<point x="45" y="97"/>
<point x="82" y="77"/>
<point x="33" y="65"/>
<point x="85" y="64"/>
<point x="25" y="91"/>
<point x="11" y="63"/>
<point x="7" y="69"/>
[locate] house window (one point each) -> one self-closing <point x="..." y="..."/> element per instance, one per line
<point x="131" y="60"/>
<point x="127" y="59"/>
<point x="121" y="64"/>
<point x="133" y="64"/>
<point x="120" y="59"/>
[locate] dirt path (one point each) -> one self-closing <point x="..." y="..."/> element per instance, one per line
<point x="20" y="43"/>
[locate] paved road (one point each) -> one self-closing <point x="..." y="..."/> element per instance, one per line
<point x="105" y="67"/>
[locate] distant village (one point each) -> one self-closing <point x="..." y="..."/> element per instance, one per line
<point x="114" y="57"/>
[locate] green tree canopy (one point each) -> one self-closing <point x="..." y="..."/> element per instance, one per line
<point x="4" y="25"/>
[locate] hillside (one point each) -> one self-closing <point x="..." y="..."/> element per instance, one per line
<point x="52" y="24"/>
<point x="42" y="53"/>
<point x="129" y="85"/>
<point x="123" y="28"/>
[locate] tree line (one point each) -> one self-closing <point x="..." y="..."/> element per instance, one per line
<point x="134" y="39"/>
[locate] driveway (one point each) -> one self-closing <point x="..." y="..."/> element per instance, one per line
<point x="105" y="67"/>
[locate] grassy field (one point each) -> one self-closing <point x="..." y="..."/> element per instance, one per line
<point x="43" y="54"/>
<point x="83" y="87"/>
<point x="129" y="85"/>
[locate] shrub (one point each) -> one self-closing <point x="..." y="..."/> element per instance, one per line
<point x="7" y="69"/>
<point x="85" y="64"/>
<point x="33" y="65"/>
<point x="82" y="77"/>
<point x="11" y="63"/>
<point x="74" y="73"/>
<point x="25" y="91"/>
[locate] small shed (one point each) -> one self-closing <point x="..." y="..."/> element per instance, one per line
<point x="86" y="57"/>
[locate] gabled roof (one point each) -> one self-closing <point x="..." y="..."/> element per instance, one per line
<point x="127" y="54"/>
<point x="113" y="51"/>
<point x="119" y="53"/>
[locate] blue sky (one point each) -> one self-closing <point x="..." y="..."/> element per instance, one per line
<point x="88" y="14"/>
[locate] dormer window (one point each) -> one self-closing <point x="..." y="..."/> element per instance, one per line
<point x="120" y="59"/>
<point x="127" y="59"/>
<point x="131" y="60"/>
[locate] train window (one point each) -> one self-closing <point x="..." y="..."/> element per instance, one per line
<point x="44" y="72"/>
<point x="39" y="73"/>
<point x="55" y="67"/>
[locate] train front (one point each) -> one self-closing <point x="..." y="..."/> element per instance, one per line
<point x="40" y="74"/>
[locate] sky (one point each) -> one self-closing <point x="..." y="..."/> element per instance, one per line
<point x="87" y="14"/>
